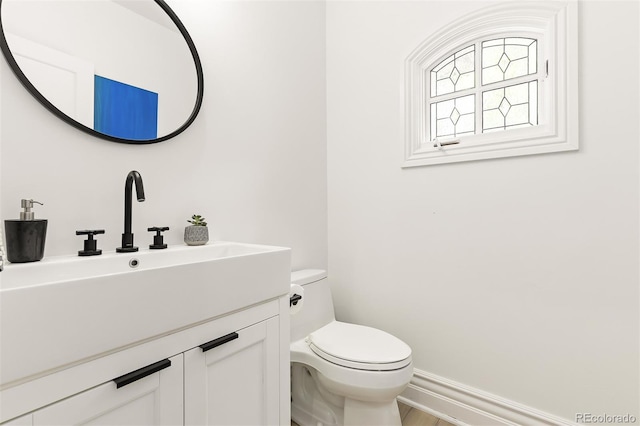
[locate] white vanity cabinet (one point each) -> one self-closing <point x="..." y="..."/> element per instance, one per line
<point x="152" y="400"/>
<point x="233" y="370"/>
<point x="231" y="373"/>
<point x="73" y="327"/>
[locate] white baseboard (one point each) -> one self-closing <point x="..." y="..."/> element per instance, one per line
<point x="463" y="405"/>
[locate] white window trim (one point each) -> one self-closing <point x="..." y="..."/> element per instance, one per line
<point x="555" y="25"/>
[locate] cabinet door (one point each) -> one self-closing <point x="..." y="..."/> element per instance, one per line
<point x="155" y="399"/>
<point x="234" y="380"/>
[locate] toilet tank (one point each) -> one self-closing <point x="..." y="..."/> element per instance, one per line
<point x="317" y="309"/>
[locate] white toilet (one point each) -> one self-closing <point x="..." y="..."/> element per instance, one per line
<point x="342" y="374"/>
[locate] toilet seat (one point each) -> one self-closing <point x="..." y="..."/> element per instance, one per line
<point x="359" y="347"/>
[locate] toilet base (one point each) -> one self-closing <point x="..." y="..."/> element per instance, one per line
<point x="313" y="405"/>
<point x="355" y="413"/>
<point x="303" y="417"/>
<point x="308" y="406"/>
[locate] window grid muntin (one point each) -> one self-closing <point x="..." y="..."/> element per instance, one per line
<point x="457" y="72"/>
<point x="441" y="117"/>
<point x="506" y="59"/>
<point x="478" y="89"/>
<point x="506" y="104"/>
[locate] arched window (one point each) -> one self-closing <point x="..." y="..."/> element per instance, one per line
<point x="501" y="82"/>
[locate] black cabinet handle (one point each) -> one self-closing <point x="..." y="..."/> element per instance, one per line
<point x="141" y="373"/>
<point x="219" y="341"/>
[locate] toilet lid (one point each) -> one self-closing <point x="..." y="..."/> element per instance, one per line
<point x="357" y="346"/>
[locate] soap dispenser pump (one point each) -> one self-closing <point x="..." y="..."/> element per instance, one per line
<point x="25" y="236"/>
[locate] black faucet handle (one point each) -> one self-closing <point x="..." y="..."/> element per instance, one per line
<point x="90" y="232"/>
<point x="158" y="239"/>
<point x="90" y="245"/>
<point x="158" y="228"/>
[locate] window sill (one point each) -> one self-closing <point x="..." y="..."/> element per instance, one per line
<point x="518" y="142"/>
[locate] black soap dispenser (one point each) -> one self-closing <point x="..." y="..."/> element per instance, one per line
<point x="25" y="236"/>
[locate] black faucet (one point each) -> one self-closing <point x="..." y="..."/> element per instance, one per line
<point x="127" y="237"/>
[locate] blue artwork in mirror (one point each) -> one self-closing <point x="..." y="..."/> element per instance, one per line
<point x="124" y="111"/>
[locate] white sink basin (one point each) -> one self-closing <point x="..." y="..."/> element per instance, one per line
<point x="63" y="310"/>
<point x="70" y="268"/>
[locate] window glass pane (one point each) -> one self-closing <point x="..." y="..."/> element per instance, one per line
<point x="492" y="119"/>
<point x="533" y="102"/>
<point x="433" y="83"/>
<point x="492" y="74"/>
<point x="518" y="94"/>
<point x="492" y="99"/>
<point x="496" y="42"/>
<point x="444" y="109"/>
<point x="466" y="124"/>
<point x="518" y="114"/>
<point x="506" y="107"/>
<point x="453" y="117"/>
<point x="466" y="81"/>
<point x="444" y="128"/>
<point x="445" y="68"/>
<point x="506" y="58"/>
<point x="454" y="73"/>
<point x="517" y="68"/>
<point x="514" y="51"/>
<point x="533" y="58"/>
<point x="509" y="107"/>
<point x="519" y="41"/>
<point x="432" y="128"/>
<point x="444" y="86"/>
<point x="465" y="104"/>
<point x="465" y="62"/>
<point x="491" y="55"/>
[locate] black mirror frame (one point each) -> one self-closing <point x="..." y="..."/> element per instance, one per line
<point x="64" y="117"/>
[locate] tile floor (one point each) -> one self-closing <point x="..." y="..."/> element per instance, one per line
<point x="413" y="417"/>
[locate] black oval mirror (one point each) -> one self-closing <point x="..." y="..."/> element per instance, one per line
<point x="122" y="70"/>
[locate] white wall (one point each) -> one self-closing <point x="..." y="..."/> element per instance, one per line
<point x="253" y="163"/>
<point x="515" y="276"/>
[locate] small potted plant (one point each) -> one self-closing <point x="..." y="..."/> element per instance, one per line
<point x="197" y="233"/>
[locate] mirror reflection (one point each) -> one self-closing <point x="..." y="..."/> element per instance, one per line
<point x="121" y="68"/>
